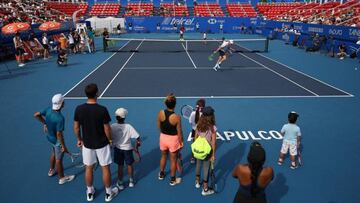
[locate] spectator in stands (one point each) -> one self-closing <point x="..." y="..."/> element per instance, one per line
<point x="316" y="44"/>
<point x="19" y="48"/>
<point x="45" y="44"/>
<point x="195" y="3"/>
<point x="34" y="44"/>
<point x="71" y="42"/>
<point x="342" y="51"/>
<point x="62" y="58"/>
<point x="253" y="177"/>
<point x="91" y="36"/>
<point x="105" y="36"/>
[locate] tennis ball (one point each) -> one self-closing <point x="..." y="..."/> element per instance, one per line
<point x="355" y="68"/>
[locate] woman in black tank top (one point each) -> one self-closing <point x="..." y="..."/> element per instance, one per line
<point x="171" y="140"/>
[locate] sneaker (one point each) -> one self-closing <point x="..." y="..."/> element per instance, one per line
<point x="120" y="185"/>
<point x="197" y="184"/>
<point x="293" y="166"/>
<point x="207" y="192"/>
<point x="161" y="175"/>
<point x="215" y="68"/>
<point x="66" y="179"/>
<point x="280" y="161"/>
<point x="51" y="172"/>
<point x="114" y="192"/>
<point x="90" y="196"/>
<point x="131" y="184"/>
<point x="218" y="66"/>
<point x="21" y="64"/>
<point x="175" y="182"/>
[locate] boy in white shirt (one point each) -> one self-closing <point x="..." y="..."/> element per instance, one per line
<point x="122" y="134"/>
<point x="291" y="140"/>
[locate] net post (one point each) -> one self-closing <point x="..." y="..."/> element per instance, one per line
<point x="267" y="44"/>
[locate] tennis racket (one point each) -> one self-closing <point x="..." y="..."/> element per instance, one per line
<point x="186" y="111"/>
<point x="211" y="57"/>
<point x="73" y="156"/>
<point x="179" y="163"/>
<point x="136" y="153"/>
<point x="299" y="156"/>
<point x="213" y="177"/>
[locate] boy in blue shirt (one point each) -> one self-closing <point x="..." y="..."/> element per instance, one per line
<point x="54" y="122"/>
<point x="291" y="140"/>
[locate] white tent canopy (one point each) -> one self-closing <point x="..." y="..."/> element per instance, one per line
<point x="110" y="23"/>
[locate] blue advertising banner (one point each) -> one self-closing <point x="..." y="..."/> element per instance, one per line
<point x="191" y="24"/>
<point x="338" y="32"/>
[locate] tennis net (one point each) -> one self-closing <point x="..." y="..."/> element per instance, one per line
<point x="162" y="45"/>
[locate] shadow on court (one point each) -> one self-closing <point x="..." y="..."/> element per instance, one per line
<point x="277" y="189"/>
<point x="225" y="164"/>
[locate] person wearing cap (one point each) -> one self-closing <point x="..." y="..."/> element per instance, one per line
<point x="206" y="128"/>
<point x="194" y="119"/>
<point x="94" y="138"/>
<point x="171" y="138"/>
<point x="54" y="123"/>
<point x="253" y="177"/>
<point x="223" y="50"/>
<point x="123" y="150"/>
<point x="291" y="141"/>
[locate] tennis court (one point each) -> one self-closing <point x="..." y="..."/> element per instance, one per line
<point x="252" y="94"/>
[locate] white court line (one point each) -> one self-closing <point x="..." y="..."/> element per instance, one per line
<point x="192" y="68"/>
<point x="94" y="69"/>
<point x="217" y="97"/>
<point x="280" y="75"/>
<point x="306" y="75"/>
<point x="189" y="55"/>
<point x="120" y="70"/>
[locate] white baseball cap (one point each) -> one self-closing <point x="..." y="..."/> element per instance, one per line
<point x="121" y="112"/>
<point x="57" y="101"/>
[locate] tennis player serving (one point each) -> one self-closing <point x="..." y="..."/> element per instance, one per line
<point x="223" y="50"/>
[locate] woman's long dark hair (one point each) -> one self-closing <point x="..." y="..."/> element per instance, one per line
<point x="256" y="159"/>
<point x="200" y="104"/>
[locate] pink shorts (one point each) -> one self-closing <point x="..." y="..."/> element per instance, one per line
<point x="169" y="142"/>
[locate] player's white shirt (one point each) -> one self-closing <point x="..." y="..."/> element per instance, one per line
<point x="122" y="135"/>
<point x="224" y="44"/>
<point x="204" y="36"/>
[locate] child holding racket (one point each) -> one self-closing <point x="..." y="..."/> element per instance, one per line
<point x="54" y="123"/>
<point x="194" y="118"/>
<point x="123" y="150"/>
<point x="206" y="129"/>
<point x="291" y="141"/>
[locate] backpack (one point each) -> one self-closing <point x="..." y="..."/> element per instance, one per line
<point x="200" y="148"/>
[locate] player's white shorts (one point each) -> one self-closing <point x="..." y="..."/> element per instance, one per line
<point x="103" y="155"/>
<point x="289" y="146"/>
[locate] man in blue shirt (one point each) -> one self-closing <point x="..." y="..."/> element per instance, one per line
<point x="53" y="122"/>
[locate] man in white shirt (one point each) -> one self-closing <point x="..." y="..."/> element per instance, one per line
<point x="224" y="49"/>
<point x="122" y="134"/>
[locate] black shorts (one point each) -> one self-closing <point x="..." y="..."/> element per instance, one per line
<point x="222" y="52"/>
<point x="121" y="156"/>
<point x="20" y="51"/>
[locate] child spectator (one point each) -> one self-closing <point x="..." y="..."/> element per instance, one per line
<point x="123" y="150"/>
<point x="342" y="52"/>
<point x="62" y="57"/>
<point x="291" y="141"/>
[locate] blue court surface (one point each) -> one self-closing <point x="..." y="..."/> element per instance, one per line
<point x="251" y="94"/>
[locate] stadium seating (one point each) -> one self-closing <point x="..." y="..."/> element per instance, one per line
<point x="272" y="10"/>
<point x="241" y="10"/>
<point x="105" y="9"/>
<point x="68" y="8"/>
<point x="208" y="10"/>
<point x="171" y="9"/>
<point x="139" y="9"/>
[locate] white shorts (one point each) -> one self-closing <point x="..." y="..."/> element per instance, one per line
<point x="102" y="154"/>
<point x="287" y="146"/>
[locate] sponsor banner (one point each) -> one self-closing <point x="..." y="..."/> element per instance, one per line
<point x="191" y="24"/>
<point x="339" y="32"/>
